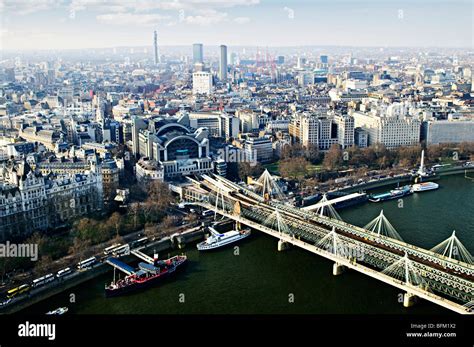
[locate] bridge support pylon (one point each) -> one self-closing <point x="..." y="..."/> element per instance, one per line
<point x="283" y="245"/>
<point x="409" y="299"/>
<point x="338" y="269"/>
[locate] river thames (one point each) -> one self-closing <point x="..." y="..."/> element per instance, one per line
<point x="262" y="280"/>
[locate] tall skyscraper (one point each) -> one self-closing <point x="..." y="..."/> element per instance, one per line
<point x="198" y="56"/>
<point x="223" y="64"/>
<point x="155" y="47"/>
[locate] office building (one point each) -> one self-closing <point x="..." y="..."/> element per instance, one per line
<point x="219" y="124"/>
<point x="202" y="83"/>
<point x="223" y="64"/>
<point x="361" y="138"/>
<point x="198" y="56"/>
<point x="259" y="149"/>
<point x="155" y="48"/>
<point x="345" y="129"/>
<point x="390" y="125"/>
<point x="30" y="201"/>
<point x="448" y="131"/>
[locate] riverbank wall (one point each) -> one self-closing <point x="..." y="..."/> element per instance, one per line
<point x="176" y="241"/>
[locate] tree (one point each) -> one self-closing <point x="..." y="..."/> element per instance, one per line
<point x="79" y="247"/>
<point x="292" y="151"/>
<point x="134" y="212"/>
<point x="117" y="239"/>
<point x="4" y="266"/>
<point x="310" y="184"/>
<point x="85" y="228"/>
<point x="311" y="152"/>
<point x="158" y="200"/>
<point x="39" y="240"/>
<point x="115" y="220"/>
<point x="167" y="223"/>
<point x="191" y="217"/>
<point x="333" y="158"/>
<point x="466" y="149"/>
<point x="43" y="265"/>
<point x="150" y="230"/>
<point x="245" y="170"/>
<point x="295" y="168"/>
<point x="368" y="156"/>
<point x="159" y="194"/>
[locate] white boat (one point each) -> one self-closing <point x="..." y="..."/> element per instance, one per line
<point x="421" y="187"/>
<point x="216" y="239"/>
<point x="58" y="311"/>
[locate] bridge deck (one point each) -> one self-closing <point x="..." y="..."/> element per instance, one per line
<point x="445" y="276"/>
<point x="332" y="201"/>
<point x="451" y="305"/>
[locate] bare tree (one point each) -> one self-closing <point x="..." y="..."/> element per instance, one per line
<point x="115" y="220"/>
<point x="79" y="247"/>
<point x="43" y="265"/>
<point x="295" y="168"/>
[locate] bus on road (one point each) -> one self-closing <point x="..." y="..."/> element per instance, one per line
<point x="86" y="264"/>
<point x="42" y="280"/>
<point x="24" y="288"/>
<point x="110" y="249"/>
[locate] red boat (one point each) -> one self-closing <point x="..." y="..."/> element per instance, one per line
<point x="146" y="276"/>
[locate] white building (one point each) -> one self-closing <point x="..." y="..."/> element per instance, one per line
<point x="178" y="149"/>
<point x="219" y="124"/>
<point x="391" y="126"/>
<point x="305" y="78"/>
<point x="149" y="169"/>
<point x="353" y="84"/>
<point x="202" y="83"/>
<point x="304" y="129"/>
<point x="449" y="131"/>
<point x="248" y="120"/>
<point x="30" y="201"/>
<point x="345" y="130"/>
<point x="278" y="125"/>
<point x="259" y="149"/>
<point x="313" y="130"/>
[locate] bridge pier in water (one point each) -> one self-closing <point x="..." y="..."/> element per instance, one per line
<point x="414" y="265"/>
<point x="338" y="269"/>
<point x="283" y="245"/>
<point x="409" y="299"/>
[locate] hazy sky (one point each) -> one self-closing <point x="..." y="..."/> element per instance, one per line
<point x="55" y="24"/>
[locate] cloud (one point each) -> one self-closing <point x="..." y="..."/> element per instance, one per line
<point x="242" y="20"/>
<point x="24" y="7"/>
<point x="130" y="18"/>
<point x="31" y="6"/>
<point x="208" y="17"/>
<point x="148" y="5"/>
<point x="101" y="5"/>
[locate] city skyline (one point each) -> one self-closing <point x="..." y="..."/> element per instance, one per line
<point x="60" y="24"/>
<point x="241" y="158"/>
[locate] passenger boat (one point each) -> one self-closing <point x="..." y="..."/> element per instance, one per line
<point x="424" y="186"/>
<point x="393" y="194"/>
<point x="216" y="239"/>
